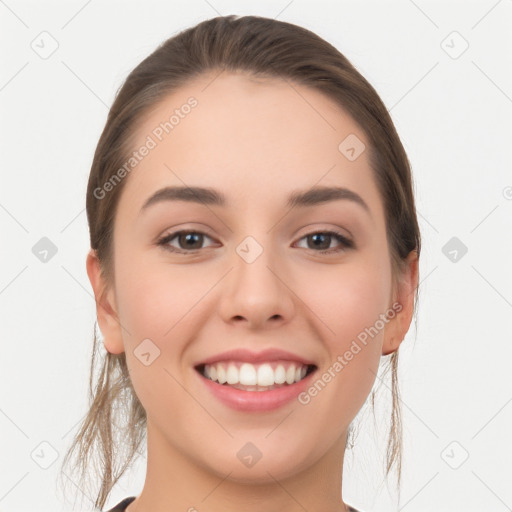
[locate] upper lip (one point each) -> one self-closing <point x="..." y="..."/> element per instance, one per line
<point x="249" y="356"/>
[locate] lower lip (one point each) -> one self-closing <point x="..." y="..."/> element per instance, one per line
<point x="256" y="401"/>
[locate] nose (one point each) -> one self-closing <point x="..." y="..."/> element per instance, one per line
<point x="257" y="294"/>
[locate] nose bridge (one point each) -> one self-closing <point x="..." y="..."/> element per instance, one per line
<point x="253" y="262"/>
<point x="255" y="289"/>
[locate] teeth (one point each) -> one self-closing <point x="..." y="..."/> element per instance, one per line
<point x="255" y="376"/>
<point x="280" y="375"/>
<point x="221" y="374"/>
<point x="290" y="375"/>
<point x="247" y="375"/>
<point x="232" y="375"/>
<point x="265" y="375"/>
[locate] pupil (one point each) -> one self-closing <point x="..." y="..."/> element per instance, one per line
<point x="190" y="237"/>
<point x="315" y="237"/>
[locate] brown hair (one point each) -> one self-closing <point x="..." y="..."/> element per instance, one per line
<point x="116" y="421"/>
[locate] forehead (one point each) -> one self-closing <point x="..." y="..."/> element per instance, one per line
<point x="254" y="138"/>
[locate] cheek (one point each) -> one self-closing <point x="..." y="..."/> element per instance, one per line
<point x="157" y="309"/>
<point x="162" y="308"/>
<point x="350" y="298"/>
<point x="155" y="301"/>
<point x="349" y="302"/>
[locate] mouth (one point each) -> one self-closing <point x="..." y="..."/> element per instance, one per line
<point x="255" y="382"/>
<point x="255" y="377"/>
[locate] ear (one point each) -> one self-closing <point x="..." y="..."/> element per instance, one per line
<point x="105" y="306"/>
<point x="404" y="293"/>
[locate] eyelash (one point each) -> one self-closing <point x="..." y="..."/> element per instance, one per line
<point x="345" y="242"/>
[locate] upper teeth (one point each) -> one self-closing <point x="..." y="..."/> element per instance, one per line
<point x="251" y="375"/>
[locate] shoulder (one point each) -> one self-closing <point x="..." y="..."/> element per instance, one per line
<point x="121" y="506"/>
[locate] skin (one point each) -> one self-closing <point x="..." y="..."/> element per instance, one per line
<point x="255" y="141"/>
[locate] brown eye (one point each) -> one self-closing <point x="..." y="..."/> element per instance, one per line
<point x="186" y="240"/>
<point x="321" y="241"/>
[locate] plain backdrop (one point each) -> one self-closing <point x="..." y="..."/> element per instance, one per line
<point x="443" y="69"/>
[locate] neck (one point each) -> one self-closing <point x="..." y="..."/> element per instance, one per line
<point x="174" y="482"/>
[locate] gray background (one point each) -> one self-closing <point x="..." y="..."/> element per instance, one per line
<point x="452" y="108"/>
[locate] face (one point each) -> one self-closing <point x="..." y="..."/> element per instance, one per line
<point x="255" y="290"/>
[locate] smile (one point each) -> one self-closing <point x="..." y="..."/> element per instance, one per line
<point x="255" y="387"/>
<point x="256" y="377"/>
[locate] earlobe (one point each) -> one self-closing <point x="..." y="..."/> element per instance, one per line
<point x="105" y="306"/>
<point x="405" y="294"/>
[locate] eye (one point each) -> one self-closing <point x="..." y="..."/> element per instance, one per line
<point x="191" y="241"/>
<point x="187" y="241"/>
<point x="323" y="239"/>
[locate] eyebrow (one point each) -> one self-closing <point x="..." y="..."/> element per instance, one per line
<point x="210" y="196"/>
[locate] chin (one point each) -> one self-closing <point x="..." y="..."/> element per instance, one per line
<point x="259" y="474"/>
<point x="248" y="465"/>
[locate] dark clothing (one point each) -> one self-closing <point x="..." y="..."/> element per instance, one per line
<point x="121" y="506"/>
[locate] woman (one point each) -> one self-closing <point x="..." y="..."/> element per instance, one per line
<point x="254" y="254"/>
